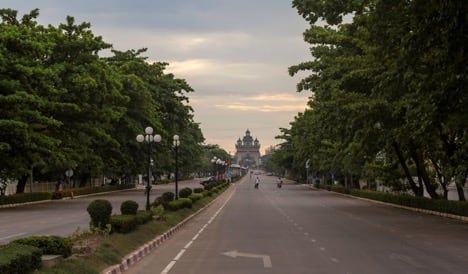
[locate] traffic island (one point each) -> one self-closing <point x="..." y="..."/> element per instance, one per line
<point x="116" y="252"/>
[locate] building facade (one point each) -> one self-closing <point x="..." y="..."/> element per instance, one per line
<point x="248" y="151"/>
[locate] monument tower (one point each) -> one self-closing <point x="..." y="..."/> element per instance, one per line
<point x="248" y="151"/>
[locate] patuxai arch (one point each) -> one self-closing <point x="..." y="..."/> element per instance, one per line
<point x="248" y="151"/>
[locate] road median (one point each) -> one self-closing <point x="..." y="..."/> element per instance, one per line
<point x="116" y="252"/>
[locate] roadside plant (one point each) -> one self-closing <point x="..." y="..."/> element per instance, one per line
<point x="185" y="192"/>
<point x="129" y="207"/>
<point x="100" y="212"/>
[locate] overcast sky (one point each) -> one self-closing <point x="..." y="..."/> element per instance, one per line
<point x="234" y="53"/>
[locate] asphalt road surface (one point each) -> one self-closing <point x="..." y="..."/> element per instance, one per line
<point x="299" y="230"/>
<point x="63" y="217"/>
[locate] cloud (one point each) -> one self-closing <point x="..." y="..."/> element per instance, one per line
<point x="262" y="108"/>
<point x="235" y="54"/>
<point x="213" y="68"/>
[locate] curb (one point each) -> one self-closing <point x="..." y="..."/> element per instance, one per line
<point x="66" y="198"/>
<point x="145" y="249"/>
<point x="426" y="211"/>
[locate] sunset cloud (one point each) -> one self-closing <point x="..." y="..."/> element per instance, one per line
<point x="234" y="54"/>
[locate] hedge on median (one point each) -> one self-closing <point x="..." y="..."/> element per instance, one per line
<point x="92" y="190"/>
<point x="25" y="197"/>
<point x="195" y="197"/>
<point x="123" y="223"/>
<point x="41" y="196"/>
<point x="179" y="204"/>
<point x="440" y="205"/>
<point x="143" y="216"/>
<point x="18" y="258"/>
<point x="53" y="245"/>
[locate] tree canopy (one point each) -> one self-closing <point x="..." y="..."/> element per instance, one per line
<point x="63" y="105"/>
<point x="388" y="94"/>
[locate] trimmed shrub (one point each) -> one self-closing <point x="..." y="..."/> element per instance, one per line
<point x="185" y="192"/>
<point x="100" y="212"/>
<point x="157" y="210"/>
<point x="18" y="258"/>
<point x="143" y="216"/>
<point x="158" y="201"/>
<point x="53" y="245"/>
<point x="198" y="190"/>
<point x="123" y="223"/>
<point x="179" y="204"/>
<point x="25" y="197"/>
<point x="129" y="207"/>
<point x="195" y="197"/>
<point x="207" y="193"/>
<point x="167" y="197"/>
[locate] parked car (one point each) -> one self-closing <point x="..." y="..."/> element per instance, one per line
<point x="208" y="180"/>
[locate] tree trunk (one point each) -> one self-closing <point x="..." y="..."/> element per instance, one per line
<point x="418" y="191"/>
<point x="421" y="169"/>
<point x="459" y="184"/>
<point x="21" y="184"/>
<point x="84" y="179"/>
<point x="461" y="193"/>
<point x="441" y="178"/>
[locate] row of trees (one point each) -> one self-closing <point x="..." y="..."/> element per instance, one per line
<point x="389" y="99"/>
<point x="64" y="106"/>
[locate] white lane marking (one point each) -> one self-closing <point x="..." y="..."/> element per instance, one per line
<point x="335" y="260"/>
<point x="12" y="236"/>
<point x="322" y="248"/>
<point x="313" y="240"/>
<point x="168" y="267"/>
<point x="188" y="244"/>
<point x="181" y="252"/>
<point x="234" y="254"/>
<point x="306" y="233"/>
<point x="176" y="258"/>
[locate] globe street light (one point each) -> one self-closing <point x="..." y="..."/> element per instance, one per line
<point x="176" y="148"/>
<point x="218" y="163"/>
<point x="213" y="160"/>
<point x="149" y="138"/>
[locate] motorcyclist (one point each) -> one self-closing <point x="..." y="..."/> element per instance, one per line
<point x="280" y="182"/>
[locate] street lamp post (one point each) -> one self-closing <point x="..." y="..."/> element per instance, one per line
<point x="213" y="160"/>
<point x="176" y="149"/>
<point x="218" y="162"/>
<point x="149" y="138"/>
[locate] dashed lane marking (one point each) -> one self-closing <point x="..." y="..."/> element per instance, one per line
<point x="182" y="251"/>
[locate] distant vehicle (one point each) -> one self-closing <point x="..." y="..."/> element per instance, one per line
<point x="208" y="180"/>
<point x="269" y="174"/>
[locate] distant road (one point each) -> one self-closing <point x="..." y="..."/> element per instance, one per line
<point x="298" y="230"/>
<point x="63" y="217"/>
